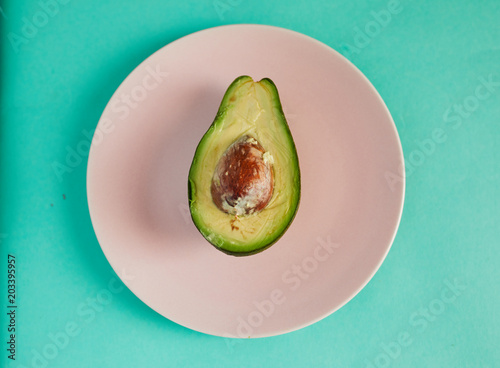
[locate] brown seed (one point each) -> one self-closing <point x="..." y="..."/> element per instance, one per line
<point x="243" y="181"/>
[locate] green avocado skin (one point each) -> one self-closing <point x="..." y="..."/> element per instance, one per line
<point x="220" y="243"/>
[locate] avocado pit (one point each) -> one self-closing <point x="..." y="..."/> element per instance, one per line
<point x="243" y="180"/>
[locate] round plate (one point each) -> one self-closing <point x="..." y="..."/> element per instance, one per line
<point x="352" y="189"/>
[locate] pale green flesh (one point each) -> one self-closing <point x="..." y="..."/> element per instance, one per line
<point x="251" y="108"/>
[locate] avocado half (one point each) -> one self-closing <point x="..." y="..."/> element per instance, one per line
<point x="249" y="133"/>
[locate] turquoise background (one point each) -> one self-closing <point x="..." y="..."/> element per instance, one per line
<point x="426" y="61"/>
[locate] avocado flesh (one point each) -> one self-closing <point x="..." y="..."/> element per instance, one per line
<point x="253" y="109"/>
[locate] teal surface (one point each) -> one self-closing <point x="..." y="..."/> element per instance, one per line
<point x="433" y="303"/>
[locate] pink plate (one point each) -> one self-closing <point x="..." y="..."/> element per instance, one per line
<point x="352" y="185"/>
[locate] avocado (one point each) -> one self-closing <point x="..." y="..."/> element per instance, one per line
<point x="244" y="181"/>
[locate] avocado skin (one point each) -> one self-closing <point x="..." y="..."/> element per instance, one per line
<point x="278" y="110"/>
